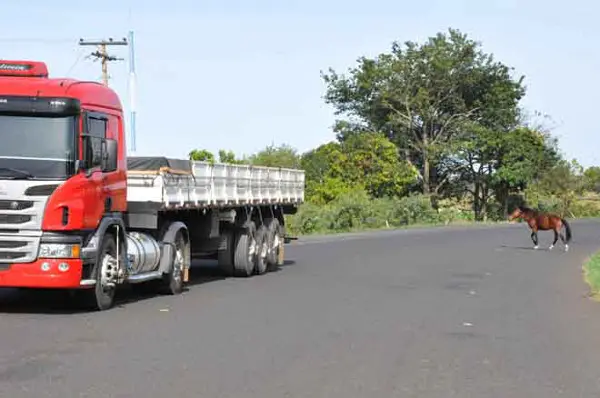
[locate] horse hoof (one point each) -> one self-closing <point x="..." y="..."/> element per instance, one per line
<point x="551" y="247"/>
<point x="566" y="248"/>
<point x="535" y="247"/>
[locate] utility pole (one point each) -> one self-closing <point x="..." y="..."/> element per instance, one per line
<point x="102" y="53"/>
<point x="132" y="106"/>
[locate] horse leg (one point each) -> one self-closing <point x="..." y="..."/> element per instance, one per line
<point x="534" y="238"/>
<point x="555" y="239"/>
<point x="564" y="241"/>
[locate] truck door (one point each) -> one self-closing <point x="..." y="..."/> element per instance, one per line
<point x="95" y="195"/>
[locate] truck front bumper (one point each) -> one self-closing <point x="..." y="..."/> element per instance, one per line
<point x="43" y="273"/>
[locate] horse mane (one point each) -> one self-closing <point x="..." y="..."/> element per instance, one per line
<point x="525" y="209"/>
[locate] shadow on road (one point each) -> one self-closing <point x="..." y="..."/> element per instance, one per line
<point x="522" y="247"/>
<point x="51" y="301"/>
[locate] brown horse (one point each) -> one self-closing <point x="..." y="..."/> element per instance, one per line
<point x="540" y="221"/>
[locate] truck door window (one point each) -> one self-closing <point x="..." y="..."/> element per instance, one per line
<point x="95" y="135"/>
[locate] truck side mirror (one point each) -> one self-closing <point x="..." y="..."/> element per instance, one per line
<point x="109" y="156"/>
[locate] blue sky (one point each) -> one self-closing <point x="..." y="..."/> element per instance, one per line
<point x="243" y="74"/>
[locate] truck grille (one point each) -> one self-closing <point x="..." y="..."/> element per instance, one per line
<point x="15" y="204"/>
<point x="18" y="248"/>
<point x="14" y="218"/>
<point x="12" y="244"/>
<point x="21" y="214"/>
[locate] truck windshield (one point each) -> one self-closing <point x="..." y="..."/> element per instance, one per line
<point x="34" y="147"/>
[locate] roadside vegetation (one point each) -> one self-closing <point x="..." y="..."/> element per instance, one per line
<point x="429" y="133"/>
<point x="591" y="272"/>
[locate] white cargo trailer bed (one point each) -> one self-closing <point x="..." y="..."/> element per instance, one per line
<point x="175" y="183"/>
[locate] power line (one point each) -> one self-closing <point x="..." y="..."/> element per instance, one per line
<point x="102" y="53"/>
<point x="79" y="57"/>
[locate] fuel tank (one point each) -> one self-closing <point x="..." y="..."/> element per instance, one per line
<point x="143" y="252"/>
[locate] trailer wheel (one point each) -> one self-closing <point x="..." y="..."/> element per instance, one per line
<point x="172" y="282"/>
<point x="225" y="254"/>
<point x="245" y="250"/>
<point x="275" y="239"/>
<point x="262" y="246"/>
<point x="101" y="297"/>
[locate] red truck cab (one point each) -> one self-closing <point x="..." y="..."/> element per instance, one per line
<point x="62" y="176"/>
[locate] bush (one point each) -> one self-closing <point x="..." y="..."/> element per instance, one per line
<point x="352" y="210"/>
<point x="356" y="210"/>
<point x="587" y="207"/>
<point x="454" y="210"/>
<point x="308" y="220"/>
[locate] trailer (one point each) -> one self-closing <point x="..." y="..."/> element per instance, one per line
<point x="220" y="203"/>
<point x="76" y="213"/>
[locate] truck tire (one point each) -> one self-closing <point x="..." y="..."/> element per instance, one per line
<point x="245" y="250"/>
<point x="101" y="297"/>
<point x="275" y="238"/>
<point x="172" y="282"/>
<point x="262" y="249"/>
<point x="225" y="255"/>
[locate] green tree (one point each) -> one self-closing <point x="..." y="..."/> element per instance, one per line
<point x="592" y="178"/>
<point x="523" y="156"/>
<point x="374" y="161"/>
<point x="363" y="160"/>
<point x="276" y="156"/>
<point x="324" y="161"/>
<point x="201" y="155"/>
<point x="496" y="164"/>
<point x="229" y="157"/>
<point x="421" y="96"/>
<point x="561" y="184"/>
<point x="475" y="156"/>
<point x="324" y="173"/>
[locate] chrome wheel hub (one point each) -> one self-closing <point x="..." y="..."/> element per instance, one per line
<point x="109" y="272"/>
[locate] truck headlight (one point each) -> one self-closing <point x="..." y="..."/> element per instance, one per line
<point x="59" y="250"/>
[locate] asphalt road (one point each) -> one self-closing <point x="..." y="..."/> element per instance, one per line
<point x="424" y="313"/>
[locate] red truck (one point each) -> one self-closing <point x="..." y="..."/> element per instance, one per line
<point x="77" y="213"/>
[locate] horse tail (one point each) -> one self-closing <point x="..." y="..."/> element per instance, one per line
<point x="568" y="229"/>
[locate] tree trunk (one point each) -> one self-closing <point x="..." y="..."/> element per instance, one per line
<point x="426" y="167"/>
<point x="502" y="194"/>
<point x="484" y="204"/>
<point x="476" y="202"/>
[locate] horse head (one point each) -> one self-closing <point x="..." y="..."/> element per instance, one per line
<point x="516" y="214"/>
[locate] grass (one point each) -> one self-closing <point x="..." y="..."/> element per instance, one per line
<point x="591" y="272"/>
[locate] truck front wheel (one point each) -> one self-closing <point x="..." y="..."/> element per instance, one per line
<point x="105" y="272"/>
